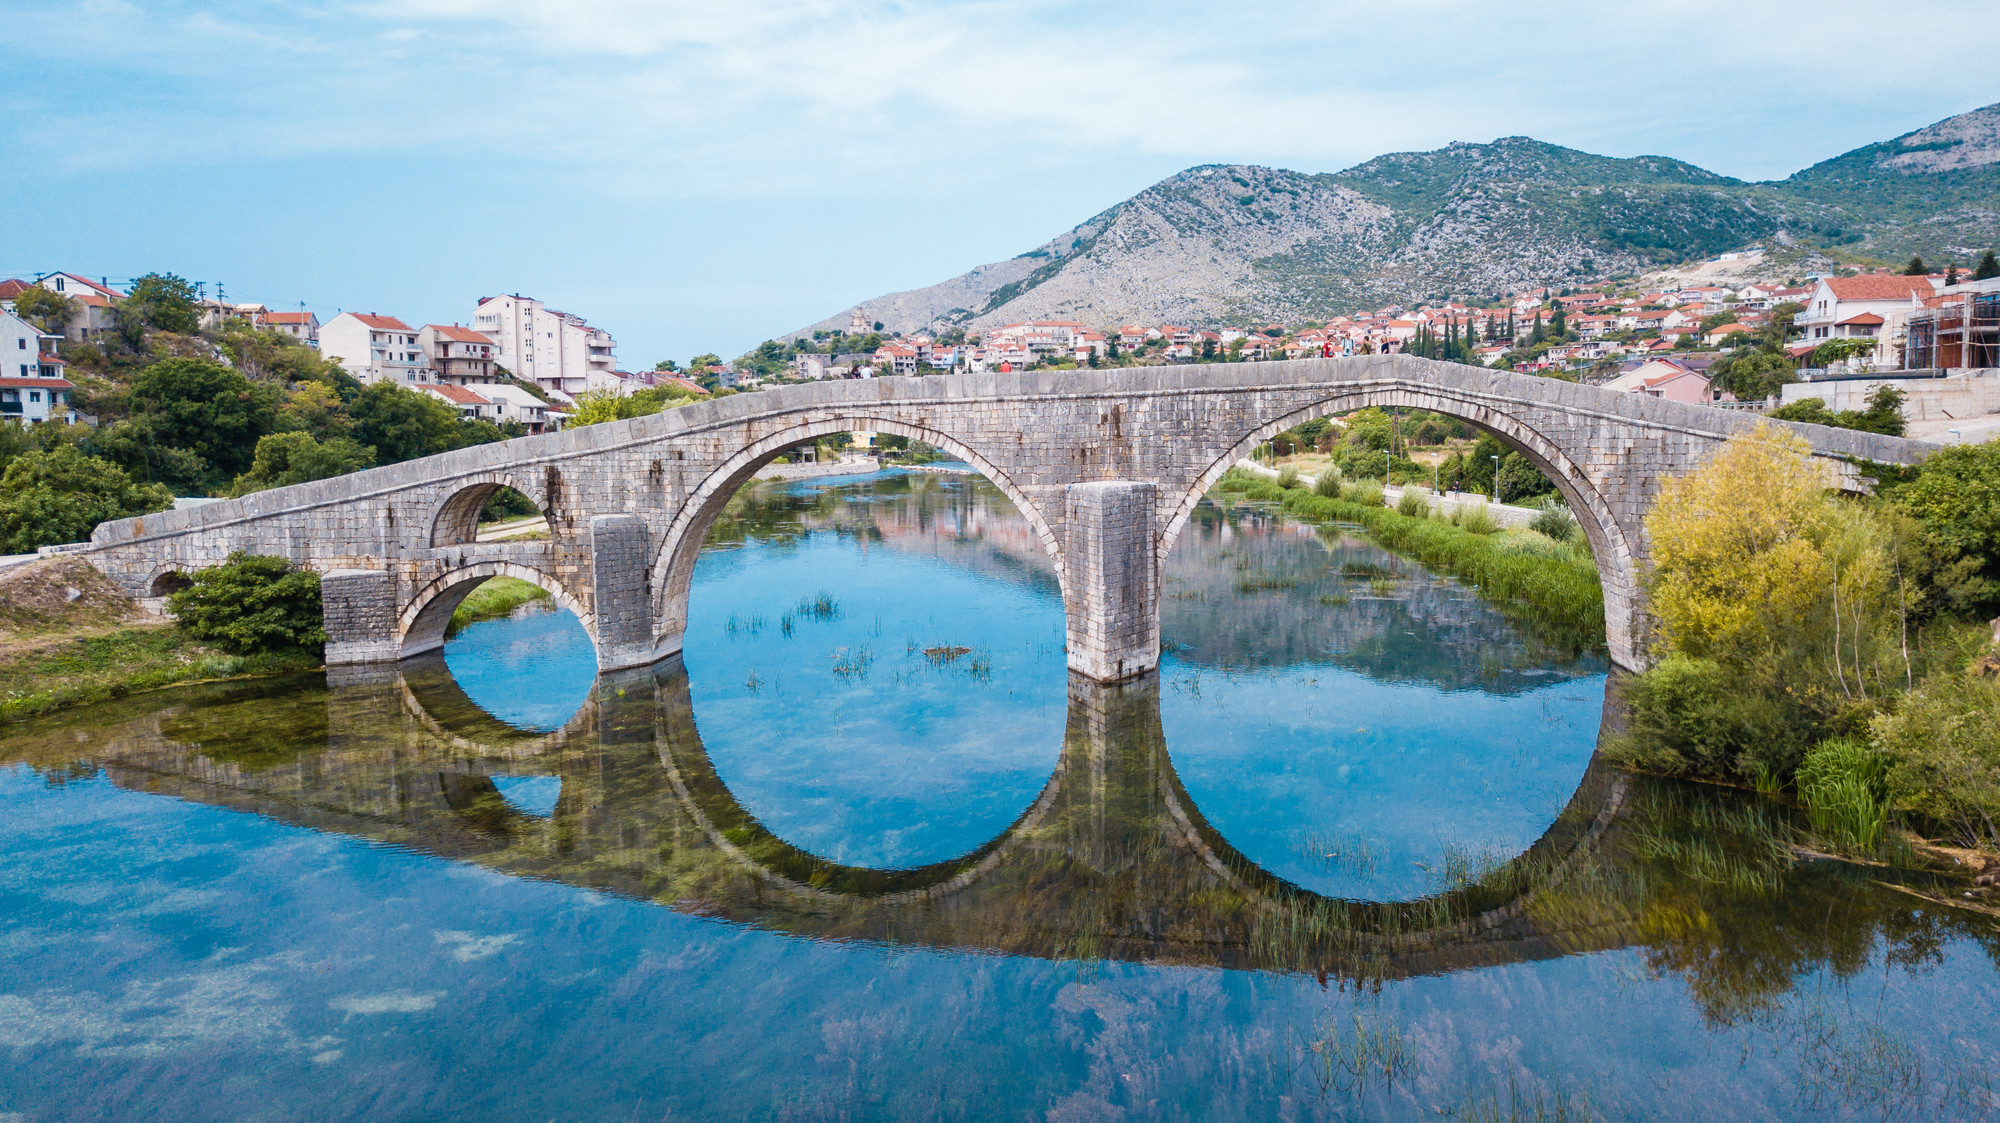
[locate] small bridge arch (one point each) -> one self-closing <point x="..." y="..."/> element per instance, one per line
<point x="423" y="622"/>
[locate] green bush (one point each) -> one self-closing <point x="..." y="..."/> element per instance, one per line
<point x="1554" y="521"/>
<point x="1362" y="493"/>
<point x="252" y="604"/>
<point x="1842" y="784"/>
<point x="1942" y="748"/>
<point x="289" y="458"/>
<point x="1288" y="477"/>
<point x="1474" y="517"/>
<point x="1326" y="485"/>
<point x="1693" y="717"/>
<point x="1412" y="503"/>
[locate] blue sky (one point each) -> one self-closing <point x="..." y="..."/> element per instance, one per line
<point x="698" y="176"/>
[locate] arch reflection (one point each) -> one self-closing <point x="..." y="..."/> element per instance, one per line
<point x="1112" y="860"/>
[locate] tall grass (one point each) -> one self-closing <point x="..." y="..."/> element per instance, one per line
<point x="1843" y="786"/>
<point x="1412" y="503"/>
<point x="1557" y="587"/>
<point x="1361" y="493"/>
<point x="1288" y="477"/>
<point x="1326" y="485"/>
<point x="1474" y="518"/>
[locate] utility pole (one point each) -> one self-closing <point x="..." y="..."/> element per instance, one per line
<point x="1496" y="479"/>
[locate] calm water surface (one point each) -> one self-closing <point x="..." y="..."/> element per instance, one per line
<point x="867" y="851"/>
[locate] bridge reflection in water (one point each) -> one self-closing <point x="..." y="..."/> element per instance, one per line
<point x="1111" y="860"/>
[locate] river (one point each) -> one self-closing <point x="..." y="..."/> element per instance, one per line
<point x="866" y="850"/>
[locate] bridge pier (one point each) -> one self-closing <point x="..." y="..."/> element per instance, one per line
<point x="1112" y="579"/>
<point x="358" y="607"/>
<point x="619" y="600"/>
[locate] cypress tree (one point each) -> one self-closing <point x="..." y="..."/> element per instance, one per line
<point x="1915" y="268"/>
<point x="1989" y="266"/>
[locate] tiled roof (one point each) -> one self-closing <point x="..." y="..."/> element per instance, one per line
<point x="1879" y="287"/>
<point x="1865" y="319"/>
<point x="386" y="323"/>
<point x="288" y="317"/>
<point x="458" y="394"/>
<point x="36" y="383"/>
<point x="459" y="334"/>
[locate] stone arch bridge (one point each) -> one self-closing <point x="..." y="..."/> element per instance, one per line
<point x="1106" y="467"/>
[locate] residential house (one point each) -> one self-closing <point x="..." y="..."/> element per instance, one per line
<point x="897" y="358"/>
<point x="555" y="350"/>
<point x="95" y="303"/>
<point x="470" y="404"/>
<point x="1874" y="306"/>
<point x="302" y="326"/>
<point x="1673" y="379"/>
<point x="457" y="354"/>
<point x="32" y="386"/>
<point x="509" y="402"/>
<point x="376" y="348"/>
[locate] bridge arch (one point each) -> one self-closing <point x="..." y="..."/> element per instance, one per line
<point x="422" y="624"/>
<point x="1610" y="545"/>
<point x="455" y="519"/>
<point x="673" y="568"/>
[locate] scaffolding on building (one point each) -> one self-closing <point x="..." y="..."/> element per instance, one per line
<point x="1958" y="332"/>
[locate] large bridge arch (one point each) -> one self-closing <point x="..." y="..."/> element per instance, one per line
<point x="1610" y="543"/>
<point x="673" y="566"/>
<point x="422" y="624"/>
<point x="454" y="520"/>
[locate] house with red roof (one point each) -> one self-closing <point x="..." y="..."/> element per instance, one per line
<point x="376" y="348"/>
<point x="94" y="302"/>
<point x="471" y="405"/>
<point x="302" y="326"/>
<point x="1874" y="306"/>
<point x="458" y="355"/>
<point x="33" y="388"/>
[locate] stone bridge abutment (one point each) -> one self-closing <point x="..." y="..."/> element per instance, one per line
<point x="1106" y="466"/>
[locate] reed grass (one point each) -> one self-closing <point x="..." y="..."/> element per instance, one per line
<point x="1412" y="504"/>
<point x="1842" y="784"/>
<point x="1555" y="589"/>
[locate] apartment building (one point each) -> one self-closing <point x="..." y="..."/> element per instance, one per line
<point x="376" y="348"/>
<point x="557" y="350"/>
<point x="459" y="355"/>
<point x="32" y="386"/>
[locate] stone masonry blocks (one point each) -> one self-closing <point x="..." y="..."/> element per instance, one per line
<point x="1114" y="609"/>
<point x="359" y="606"/>
<point x="1043" y="434"/>
<point x="620" y="554"/>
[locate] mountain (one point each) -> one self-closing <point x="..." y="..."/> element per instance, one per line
<point x="1248" y="245"/>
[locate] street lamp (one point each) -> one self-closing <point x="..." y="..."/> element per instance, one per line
<point x="1959" y="433"/>
<point x="1496" y="478"/>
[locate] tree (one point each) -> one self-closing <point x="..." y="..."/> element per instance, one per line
<point x="314" y="408"/>
<point x="1556" y="323"/>
<point x="207" y="409"/>
<point x="403" y="424"/>
<point x="295" y="458"/>
<point x="1754" y="375"/>
<point x="1915" y="268"/>
<point x="47" y="498"/>
<point x="252" y="603"/>
<point x="49" y="310"/>
<point x="162" y="301"/>
<point x="1988" y="267"/>
<point x="666" y="365"/>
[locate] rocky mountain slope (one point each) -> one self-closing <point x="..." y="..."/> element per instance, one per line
<point x="1243" y="244"/>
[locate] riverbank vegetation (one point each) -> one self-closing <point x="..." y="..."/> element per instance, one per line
<point x="69" y="637"/>
<point x="1552" y="585"/>
<point x="494" y="598"/>
<point x="1831" y="645"/>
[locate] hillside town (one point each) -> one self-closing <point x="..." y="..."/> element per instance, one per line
<point x="518" y="361"/>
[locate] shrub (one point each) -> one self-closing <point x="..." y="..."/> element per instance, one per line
<point x="1362" y="493"/>
<point x="1554" y="521"/>
<point x="1475" y="517"/>
<point x="1843" y="786"/>
<point x="1288" y="477"/>
<point x="295" y="457"/>
<point x="1412" y="503"/>
<point x="1326" y="485"/>
<point x="252" y="603"/>
<point x="1942" y="748"/>
<point x="1691" y="716"/>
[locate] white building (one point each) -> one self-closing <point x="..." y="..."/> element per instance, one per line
<point x="95" y="302"/>
<point x="511" y="403"/>
<point x="32" y="386"/>
<point x="459" y="355"/>
<point x="1875" y="306"/>
<point x="556" y="350"/>
<point x="302" y="326"/>
<point x="376" y="348"/>
<point x="470" y="404"/>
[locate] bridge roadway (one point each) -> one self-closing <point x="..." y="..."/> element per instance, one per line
<point x="1106" y="466"/>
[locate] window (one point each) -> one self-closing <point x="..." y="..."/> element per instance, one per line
<point x="23" y="343"/>
<point x="34" y="395"/>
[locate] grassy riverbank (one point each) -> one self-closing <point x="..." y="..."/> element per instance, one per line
<point x="497" y="597"/>
<point x="69" y="637"/>
<point x="1549" y="585"/>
